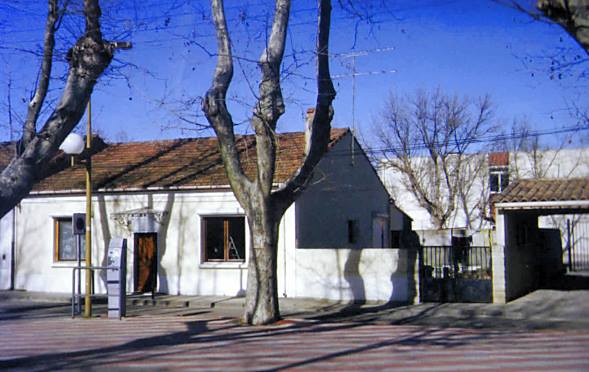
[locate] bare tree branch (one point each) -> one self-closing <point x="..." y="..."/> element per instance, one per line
<point x="88" y="58"/>
<point x="214" y="106"/>
<point x="36" y="103"/>
<point x="320" y="128"/>
<point x="572" y="15"/>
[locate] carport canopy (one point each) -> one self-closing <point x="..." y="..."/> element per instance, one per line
<point x="545" y="196"/>
<point x="520" y="258"/>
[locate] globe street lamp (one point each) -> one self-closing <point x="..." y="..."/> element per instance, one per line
<point x="74" y="145"/>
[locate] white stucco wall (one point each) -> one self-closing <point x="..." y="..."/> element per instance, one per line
<point x="514" y="256"/>
<point x="5" y="250"/>
<point x="324" y="264"/>
<point x="352" y="274"/>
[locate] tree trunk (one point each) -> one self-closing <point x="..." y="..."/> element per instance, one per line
<point x="261" y="305"/>
<point x="264" y="206"/>
<point x="15" y="183"/>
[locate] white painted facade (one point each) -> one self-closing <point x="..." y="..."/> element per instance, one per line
<point x="6" y="239"/>
<point x="315" y="258"/>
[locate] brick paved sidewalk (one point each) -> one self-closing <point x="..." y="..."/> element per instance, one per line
<point x="206" y="342"/>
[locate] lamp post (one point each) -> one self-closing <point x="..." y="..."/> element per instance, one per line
<point x="74" y="145"/>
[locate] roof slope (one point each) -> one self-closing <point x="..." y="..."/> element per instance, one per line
<point x="543" y="190"/>
<point x="181" y="163"/>
<point x="6" y="153"/>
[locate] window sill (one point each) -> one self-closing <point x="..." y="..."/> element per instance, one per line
<point x="66" y="264"/>
<point x="223" y="265"/>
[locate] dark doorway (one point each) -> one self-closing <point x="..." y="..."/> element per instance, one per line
<point x="145" y="262"/>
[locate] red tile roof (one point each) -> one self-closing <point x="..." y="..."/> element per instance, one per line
<point x="542" y="190"/>
<point x="6" y="154"/>
<point x="180" y="163"/>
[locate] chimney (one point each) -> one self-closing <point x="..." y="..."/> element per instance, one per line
<point x="498" y="159"/>
<point x="309" y="128"/>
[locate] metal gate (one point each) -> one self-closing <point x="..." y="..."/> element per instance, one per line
<point x="455" y="274"/>
<point x="576" y="239"/>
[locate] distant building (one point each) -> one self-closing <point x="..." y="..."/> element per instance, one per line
<point x="501" y="169"/>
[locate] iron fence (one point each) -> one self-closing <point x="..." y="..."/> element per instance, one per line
<point x="455" y="273"/>
<point x="442" y="261"/>
<point x="576" y="255"/>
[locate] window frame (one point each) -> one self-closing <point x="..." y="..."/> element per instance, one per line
<point x="502" y="174"/>
<point x="203" y="240"/>
<point x="57" y="220"/>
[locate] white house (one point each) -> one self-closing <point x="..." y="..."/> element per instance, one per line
<point x="497" y="170"/>
<point x="184" y="227"/>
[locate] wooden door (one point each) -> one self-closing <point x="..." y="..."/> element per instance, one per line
<point x="145" y="262"/>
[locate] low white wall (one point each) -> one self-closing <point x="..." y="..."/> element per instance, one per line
<point x="5" y="250"/>
<point x="352" y="274"/>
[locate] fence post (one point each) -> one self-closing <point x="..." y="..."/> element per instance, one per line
<point x="569" y="246"/>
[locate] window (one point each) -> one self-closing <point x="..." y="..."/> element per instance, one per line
<point x="65" y="241"/>
<point x="352" y="231"/>
<point x="224" y="239"/>
<point x="396" y="239"/>
<point x="498" y="179"/>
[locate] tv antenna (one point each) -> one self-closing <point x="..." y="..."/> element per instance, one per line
<point x="351" y="66"/>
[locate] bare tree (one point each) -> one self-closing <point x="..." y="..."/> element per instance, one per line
<point x="87" y="59"/>
<point x="473" y="190"/>
<point x="429" y="139"/>
<point x="264" y="204"/>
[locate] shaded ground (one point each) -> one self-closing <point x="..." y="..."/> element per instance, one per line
<point x="542" y="309"/>
<point x="544" y="330"/>
<point x="206" y="342"/>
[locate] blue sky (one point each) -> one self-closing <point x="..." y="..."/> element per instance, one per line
<point x="467" y="48"/>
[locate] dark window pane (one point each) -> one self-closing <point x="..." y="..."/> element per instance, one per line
<point x="351" y="231"/>
<point x="214" y="238"/>
<point x="395" y="239"/>
<point x="494" y="182"/>
<point x="504" y="181"/>
<point x="236" y="238"/>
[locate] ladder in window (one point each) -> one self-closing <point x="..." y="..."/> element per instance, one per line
<point x="233" y="248"/>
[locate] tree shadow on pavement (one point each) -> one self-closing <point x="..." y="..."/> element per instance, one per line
<point x="16" y="310"/>
<point x="355" y="311"/>
<point x="202" y="336"/>
<point x="445" y="315"/>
